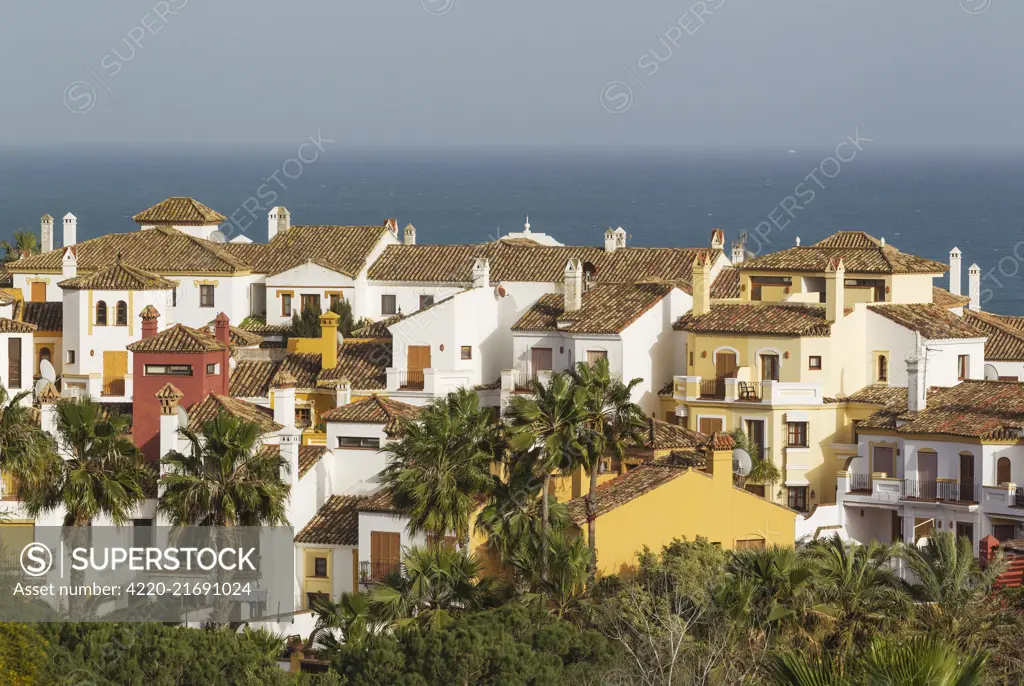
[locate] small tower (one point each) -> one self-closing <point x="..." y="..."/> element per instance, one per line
<point x="278" y="221"/>
<point x="46" y="233"/>
<point x="609" y="240"/>
<point x="954" y="271"/>
<point x="409" y="236"/>
<point x="620" y="238"/>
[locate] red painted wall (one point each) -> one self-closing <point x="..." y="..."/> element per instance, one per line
<point x="146" y="408"/>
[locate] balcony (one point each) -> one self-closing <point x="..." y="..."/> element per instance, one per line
<point x="410" y="379"/>
<point x="777" y="393"/>
<point x="8" y="486"/>
<point x="884" y="488"/>
<point x="375" y="571"/>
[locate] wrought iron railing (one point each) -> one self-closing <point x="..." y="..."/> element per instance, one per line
<point x="376" y="570"/>
<point x="1018" y="497"/>
<point x="113" y="386"/>
<point x="411" y="379"/>
<point x="860" y="482"/>
<point x="712" y="388"/>
<point x="960" y="492"/>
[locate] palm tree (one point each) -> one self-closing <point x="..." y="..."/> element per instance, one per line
<point x="949" y="579"/>
<point x="440" y="468"/>
<point x="24" y="242"/>
<point x="349" y="614"/>
<point x="100" y="472"/>
<point x="544" y="427"/>
<point x="434" y="586"/>
<point x="857" y="589"/>
<point x="225" y="478"/>
<point x="610" y="422"/>
<point x="22" y="442"/>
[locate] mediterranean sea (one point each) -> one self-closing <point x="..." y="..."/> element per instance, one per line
<point x="922" y="201"/>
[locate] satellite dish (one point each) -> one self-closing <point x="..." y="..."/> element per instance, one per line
<point x="47" y="371"/>
<point x="40" y="385"/>
<point x="232" y="363"/>
<point x="741" y="462"/>
<point x="991" y="373"/>
<point x="218" y="237"/>
<point x="182" y="417"/>
<point x="341" y="337"/>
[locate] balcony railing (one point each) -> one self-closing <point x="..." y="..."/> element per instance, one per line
<point x="113" y="386"/>
<point x="945" y="491"/>
<point x="713" y="389"/>
<point x="376" y="570"/>
<point x="8" y="486"/>
<point x="1018" y="497"/>
<point x="860" y="483"/>
<point x="520" y="381"/>
<point x="411" y="379"/>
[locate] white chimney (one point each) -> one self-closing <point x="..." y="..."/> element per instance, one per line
<point x="278" y="221"/>
<point x="798" y="241"/>
<point x="620" y="237"/>
<point x="284" y="398"/>
<point x="954" y="271"/>
<point x="343" y="393"/>
<point x="917" y="384"/>
<point x="835" y="280"/>
<point x="481" y="272"/>
<point x="701" y="284"/>
<point x="46" y="233"/>
<point x="69" y="262"/>
<point x="409" y="236"/>
<point x="974" y="287"/>
<point x="573" y="285"/>
<point x="70" y="229"/>
<point x="717" y="239"/>
<point x="609" y="240"/>
<point x="739" y="252"/>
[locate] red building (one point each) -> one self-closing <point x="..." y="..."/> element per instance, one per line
<point x="195" y="362"/>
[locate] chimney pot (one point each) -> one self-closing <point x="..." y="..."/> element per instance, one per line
<point x="701" y="285"/>
<point x="70" y="230"/>
<point x="954" y="271"/>
<point x="974" y="287"/>
<point x="222" y="327"/>
<point x="573" y="276"/>
<point x="409" y="236"/>
<point x="46" y="233"/>
<point x="278" y="221"/>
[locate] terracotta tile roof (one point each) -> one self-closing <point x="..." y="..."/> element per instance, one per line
<point x="336" y="523"/>
<point x="976" y="409"/>
<point x="377" y="329"/>
<point x="721" y="441"/>
<point x="12" y="326"/>
<point x="622" y="489"/>
<point x="251" y="378"/>
<point x="364" y="362"/>
<point x="879" y="394"/>
<point x="162" y="250"/>
<point x="258" y="325"/>
<point x="943" y="298"/>
<point x="767" y="320"/>
<point x="177" y="339"/>
<point x="664" y="436"/>
<point x="344" y="249"/>
<point x="309" y="455"/>
<point x="861" y="253"/>
<point x="305" y="367"/>
<point x="1005" y="341"/>
<point x="179" y="211"/>
<point x="373" y="410"/>
<point x="667" y="390"/>
<point x="726" y="284"/>
<point x="607" y="308"/>
<point x="118" y="277"/>
<point x="46" y="316"/>
<point x="213" y="404"/>
<point x="6" y="278"/>
<point x="516" y="261"/>
<point x="378" y="502"/>
<point x="931" y="321"/>
<point x="9" y="298"/>
<point x="240" y="338"/>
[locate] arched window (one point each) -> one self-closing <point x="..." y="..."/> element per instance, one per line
<point x="883" y="368"/>
<point x="1003" y="471"/>
<point x="122" y="314"/>
<point x="101" y="313"/>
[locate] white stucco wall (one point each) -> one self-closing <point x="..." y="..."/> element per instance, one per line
<point x="305" y="279"/>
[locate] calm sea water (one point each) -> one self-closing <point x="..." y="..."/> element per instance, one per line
<point x="921" y="202"/>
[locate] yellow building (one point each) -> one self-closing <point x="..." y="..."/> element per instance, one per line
<point x="654" y="503"/>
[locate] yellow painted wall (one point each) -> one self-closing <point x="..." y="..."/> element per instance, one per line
<point x="695" y="504"/>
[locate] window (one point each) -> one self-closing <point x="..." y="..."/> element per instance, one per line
<point x="101" y="313"/>
<point x="426" y="301"/>
<point x="286" y="304"/>
<point x="750" y="544"/>
<point x="388" y="304"/>
<point x="174" y="297"/>
<point x="211" y="368"/>
<point x="798" y="498"/>
<point x="691" y="358"/>
<point x="769" y="367"/>
<point x="358" y="442"/>
<point x="814" y="362"/>
<point x="320" y="567"/>
<point x="1003" y="471"/>
<point x="303" y="417"/>
<point x="1004" y="532"/>
<point x="883" y="368"/>
<point x="142" y="533"/>
<point x="71" y="356"/>
<point x="313" y="598"/>
<point x="121" y="316"/>
<point x="38" y="294"/>
<point x="44" y="354"/>
<point x="168" y="370"/>
<point x="797" y="434"/>
<point x="310" y="302"/>
<point x="854" y="431"/>
<point x="206" y="295"/>
<point x="1009" y="378"/>
<point x="962" y="366"/>
<point x="334" y="300"/>
<point x="594" y="355"/>
<point x="14" y="362"/>
<point x="467" y="352"/>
